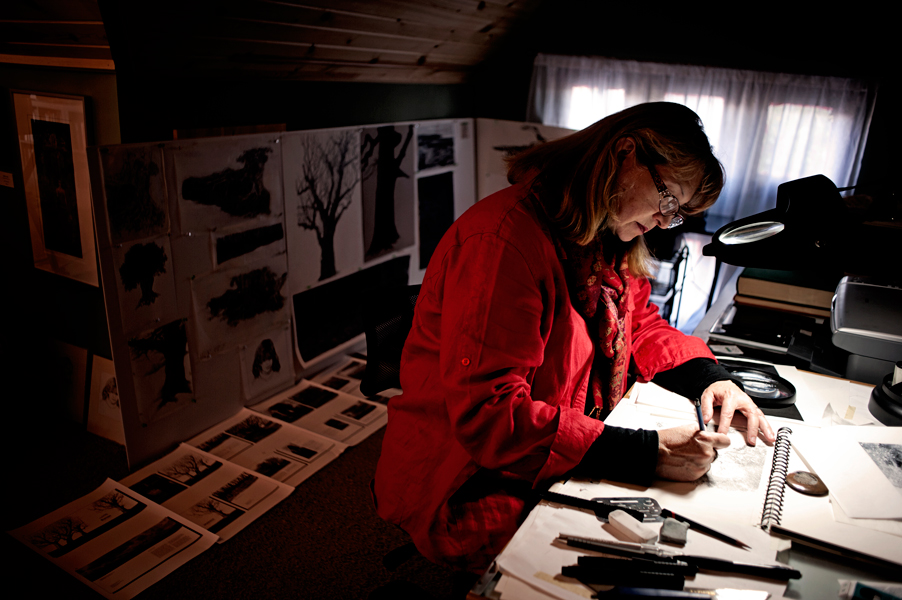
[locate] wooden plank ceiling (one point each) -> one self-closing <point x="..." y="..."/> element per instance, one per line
<point x="409" y="41"/>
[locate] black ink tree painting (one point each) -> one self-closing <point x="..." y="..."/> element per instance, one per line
<point x="166" y="348"/>
<point x="238" y="192"/>
<point x="253" y="293"/>
<point x="56" y="186"/>
<point x="329" y="173"/>
<point x="132" y="181"/>
<point x="386" y="166"/>
<point x="143" y="262"/>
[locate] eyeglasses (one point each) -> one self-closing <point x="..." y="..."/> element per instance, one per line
<point x="668" y="204"/>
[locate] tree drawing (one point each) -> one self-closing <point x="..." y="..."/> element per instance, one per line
<point x="112" y="501"/>
<point x="59" y="534"/>
<point x="234" y="488"/>
<point x="253" y="293"/>
<point x="238" y="192"/>
<point x="329" y="172"/>
<point x="211" y="506"/>
<point x="166" y="348"/>
<point x="143" y="262"/>
<point x="127" y="183"/>
<point x="186" y="468"/>
<point x="271" y="466"/>
<point x="387" y="168"/>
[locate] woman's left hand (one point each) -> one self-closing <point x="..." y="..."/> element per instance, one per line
<point x="731" y="398"/>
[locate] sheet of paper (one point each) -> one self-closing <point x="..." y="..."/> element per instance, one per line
<point x="326" y="412"/>
<point x="218" y="495"/>
<point x="268" y="446"/>
<point x="115" y="540"/>
<point x="532" y="557"/>
<point x="862" y="467"/>
<point x="810" y="519"/>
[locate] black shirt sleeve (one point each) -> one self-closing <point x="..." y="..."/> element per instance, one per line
<point x="691" y="378"/>
<point x="621" y="454"/>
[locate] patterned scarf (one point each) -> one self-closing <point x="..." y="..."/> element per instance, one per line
<point x="599" y="293"/>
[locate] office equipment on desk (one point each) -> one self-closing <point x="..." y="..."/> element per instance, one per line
<point x="866" y="321"/>
<point x="696" y="526"/>
<point x="602" y="507"/>
<point x="810" y="520"/>
<point x="768" y="390"/>
<point x="698" y="413"/>
<point x="631" y="528"/>
<point x="702" y="563"/>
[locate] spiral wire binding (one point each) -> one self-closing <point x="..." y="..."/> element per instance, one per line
<point x="773" y="500"/>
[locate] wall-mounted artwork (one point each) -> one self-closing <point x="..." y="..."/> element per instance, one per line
<point x="387" y="174"/>
<point x="435" y="145"/>
<point x="497" y="140"/>
<point x="436" y="210"/>
<point x="323" y="217"/>
<point x="267" y="363"/>
<point x="53" y="148"/>
<point x="161" y="370"/>
<point x="238" y="304"/>
<point x="146" y="283"/>
<point x="328" y="317"/>
<point x="134" y="192"/>
<point x="248" y="245"/>
<point x="223" y="181"/>
<point x="104" y="414"/>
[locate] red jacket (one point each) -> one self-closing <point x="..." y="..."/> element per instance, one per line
<point x="494" y="373"/>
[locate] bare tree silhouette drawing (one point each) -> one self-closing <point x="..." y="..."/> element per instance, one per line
<point x="329" y="172"/>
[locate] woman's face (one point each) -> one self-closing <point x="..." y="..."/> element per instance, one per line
<point x="639" y="198"/>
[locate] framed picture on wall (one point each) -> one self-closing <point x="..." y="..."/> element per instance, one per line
<point x="53" y="146"/>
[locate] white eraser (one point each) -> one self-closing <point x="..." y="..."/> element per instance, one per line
<point x="630" y="528"/>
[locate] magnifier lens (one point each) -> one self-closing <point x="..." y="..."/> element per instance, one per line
<point x="752" y="232"/>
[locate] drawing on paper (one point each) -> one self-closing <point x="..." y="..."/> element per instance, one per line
<point x="266" y="360"/>
<point x="143" y="262"/>
<point x="436" y="204"/>
<point x="214" y="515"/>
<point x="329" y="173"/>
<point x="271" y="466"/>
<point x="165" y="348"/>
<point x="234" y="488"/>
<point x="888" y="458"/>
<point x="110" y="395"/>
<point x="253" y="429"/>
<point x="387" y="207"/>
<point x="237" y="192"/>
<point x="435" y="144"/>
<point x="56" y="186"/>
<point x="244" y="242"/>
<point x="739" y="467"/>
<point x="253" y="293"/>
<point x="72" y="531"/>
<point x="135" y="193"/>
<point x="190" y="469"/>
<point x="512" y="149"/>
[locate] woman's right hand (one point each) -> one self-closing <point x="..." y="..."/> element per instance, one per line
<point x="685" y="453"/>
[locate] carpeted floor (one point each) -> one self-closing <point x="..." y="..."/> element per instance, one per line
<point x="323" y="541"/>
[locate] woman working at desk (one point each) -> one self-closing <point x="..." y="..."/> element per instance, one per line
<point x="532" y="308"/>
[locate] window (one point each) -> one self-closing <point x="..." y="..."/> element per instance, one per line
<point x="766" y="128"/>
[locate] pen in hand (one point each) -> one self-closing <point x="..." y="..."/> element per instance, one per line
<point x="698" y="411"/>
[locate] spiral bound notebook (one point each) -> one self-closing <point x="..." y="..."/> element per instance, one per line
<point x="809" y="520"/>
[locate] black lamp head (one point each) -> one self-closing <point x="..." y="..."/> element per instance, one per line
<point x="804" y="230"/>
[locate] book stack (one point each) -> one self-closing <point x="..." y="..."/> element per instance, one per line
<point x="800" y="292"/>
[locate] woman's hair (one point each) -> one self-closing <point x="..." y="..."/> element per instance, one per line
<point x="575" y="177"/>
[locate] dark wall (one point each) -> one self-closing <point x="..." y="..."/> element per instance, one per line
<point x="38" y="306"/>
<point x="152" y="105"/>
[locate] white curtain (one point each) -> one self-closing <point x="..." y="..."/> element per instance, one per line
<point x="766" y="128"/>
